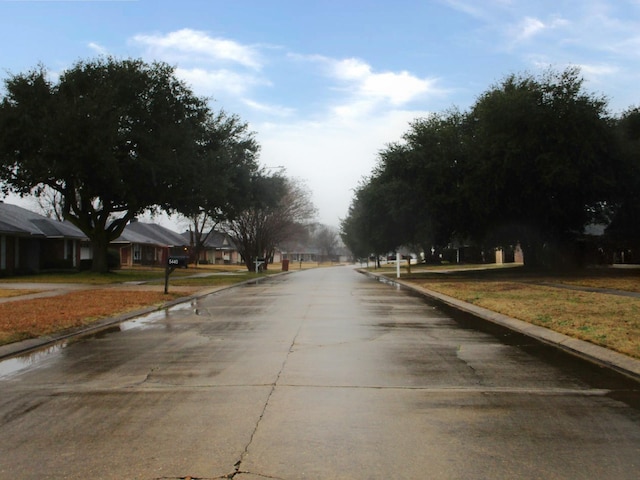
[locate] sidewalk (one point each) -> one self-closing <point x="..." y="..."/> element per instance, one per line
<point x="45" y="290"/>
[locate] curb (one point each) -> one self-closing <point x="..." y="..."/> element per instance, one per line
<point x="30" y="345"/>
<point x="623" y="364"/>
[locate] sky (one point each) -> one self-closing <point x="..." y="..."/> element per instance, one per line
<point x="326" y="84"/>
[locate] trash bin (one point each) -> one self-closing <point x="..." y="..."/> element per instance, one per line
<point x="285" y="265"/>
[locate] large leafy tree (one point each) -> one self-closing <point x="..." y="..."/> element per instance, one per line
<point x="425" y="175"/>
<point x="353" y="231"/>
<point x="112" y="137"/>
<point x="624" y="229"/>
<point x="542" y="166"/>
<point x="371" y="226"/>
<point x="533" y="162"/>
<point x="413" y="197"/>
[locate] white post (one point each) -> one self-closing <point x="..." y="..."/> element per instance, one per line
<point x="398" y="264"/>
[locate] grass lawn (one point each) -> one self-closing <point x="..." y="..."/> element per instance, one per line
<point x="602" y="318"/>
<point x="33" y="318"/>
<point x="135" y="274"/>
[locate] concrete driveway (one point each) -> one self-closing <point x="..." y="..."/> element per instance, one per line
<point x="320" y="374"/>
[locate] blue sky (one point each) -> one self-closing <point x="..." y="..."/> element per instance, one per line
<point x="327" y="84"/>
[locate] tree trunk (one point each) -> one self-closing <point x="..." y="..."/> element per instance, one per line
<point x="249" y="262"/>
<point x="197" y="248"/>
<point x="100" y="245"/>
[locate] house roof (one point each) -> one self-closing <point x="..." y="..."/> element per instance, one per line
<point x="15" y="220"/>
<point x="150" y="234"/>
<point x="217" y="240"/>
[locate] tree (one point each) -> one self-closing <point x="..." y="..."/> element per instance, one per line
<point x="624" y="229"/>
<point x="413" y="196"/>
<point x="279" y="209"/>
<point x="50" y="203"/>
<point x="325" y="239"/>
<point x="533" y="162"/>
<point x="370" y="227"/>
<point x="352" y="231"/>
<point x="219" y="192"/>
<point x="424" y="175"/>
<point x="542" y="164"/>
<point x="112" y="137"/>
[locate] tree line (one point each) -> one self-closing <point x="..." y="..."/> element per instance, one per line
<point x="110" y="139"/>
<point x="534" y="161"/>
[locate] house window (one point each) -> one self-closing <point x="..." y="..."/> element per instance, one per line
<point x="137" y="253"/>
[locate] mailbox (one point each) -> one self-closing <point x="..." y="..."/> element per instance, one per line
<point x="178" y="261"/>
<point x="259" y="264"/>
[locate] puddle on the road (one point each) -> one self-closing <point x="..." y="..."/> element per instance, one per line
<point x="14" y="365"/>
<point x="37" y="358"/>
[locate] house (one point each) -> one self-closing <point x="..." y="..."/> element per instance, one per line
<point x="148" y="244"/>
<point x="30" y="242"/>
<point x="218" y="248"/>
<point x="298" y="252"/>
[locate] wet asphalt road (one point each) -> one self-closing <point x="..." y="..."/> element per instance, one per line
<point x="322" y="374"/>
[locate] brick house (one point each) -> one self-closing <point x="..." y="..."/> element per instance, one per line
<point x="219" y="249"/>
<point x="30" y="242"/>
<point x="148" y="244"/>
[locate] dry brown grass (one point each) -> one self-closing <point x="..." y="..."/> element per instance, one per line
<point x="24" y="319"/>
<point x="626" y="283"/>
<point x="608" y="320"/>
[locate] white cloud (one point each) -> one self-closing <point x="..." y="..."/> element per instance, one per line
<point x="530" y="27"/>
<point x="351" y="69"/>
<point x="197" y="45"/>
<point x="397" y="88"/>
<point x="275" y="110"/>
<point x="331" y="148"/>
<point x="212" y="82"/>
<point x="352" y="111"/>
<point x="99" y="49"/>
<point x="598" y="70"/>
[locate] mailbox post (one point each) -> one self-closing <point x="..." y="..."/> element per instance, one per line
<point x="173" y="263"/>
<point x="259" y="262"/>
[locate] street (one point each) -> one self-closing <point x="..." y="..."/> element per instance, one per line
<point x="319" y="374"/>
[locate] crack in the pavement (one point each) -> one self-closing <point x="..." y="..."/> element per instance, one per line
<point x="266" y="404"/>
<point x="230" y="475"/>
<point x="254" y="475"/>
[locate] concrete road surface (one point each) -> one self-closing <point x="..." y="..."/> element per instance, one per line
<point x="320" y="374"/>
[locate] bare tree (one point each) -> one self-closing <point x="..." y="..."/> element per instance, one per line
<point x="50" y="202"/>
<point x="325" y="239"/>
<point x="281" y="208"/>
